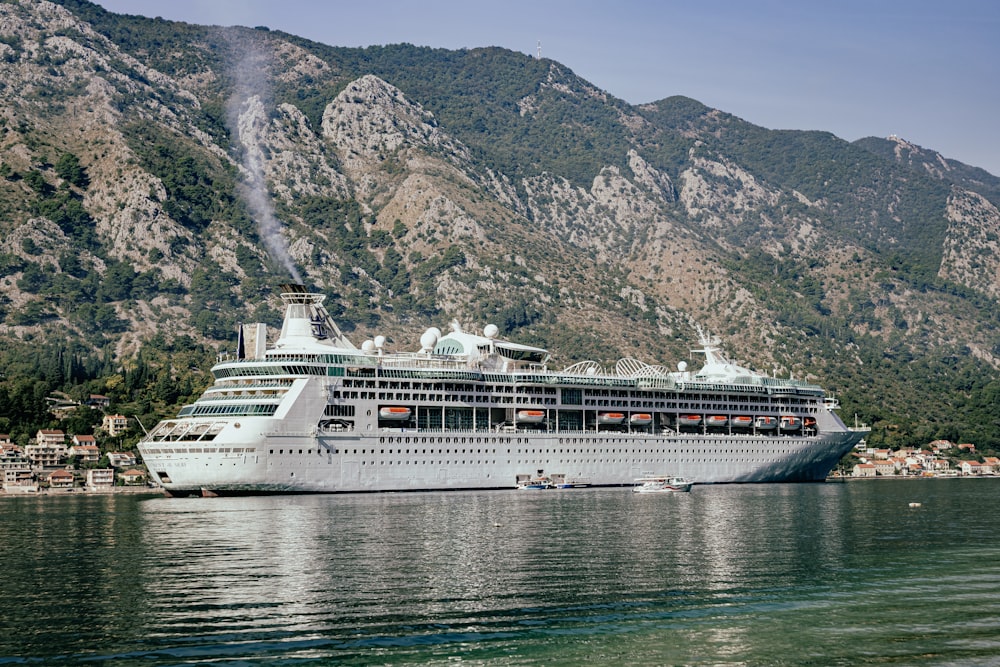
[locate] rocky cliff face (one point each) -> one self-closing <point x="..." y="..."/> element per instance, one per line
<point x="381" y="205"/>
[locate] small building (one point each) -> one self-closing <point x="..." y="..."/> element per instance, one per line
<point x="87" y="451"/>
<point x="61" y="479"/>
<point x="133" y="477"/>
<point x="15" y="469"/>
<point x="98" y="401"/>
<point x="100" y="478"/>
<point x="114" y="424"/>
<point x="991" y="465"/>
<point x="48" y="436"/>
<point x="122" y="460"/>
<point x="8" y="450"/>
<point x="19" y="480"/>
<point x="885" y="468"/>
<point x="864" y="470"/>
<point x="971" y="468"/>
<point x="46" y="456"/>
<point x="937" y="464"/>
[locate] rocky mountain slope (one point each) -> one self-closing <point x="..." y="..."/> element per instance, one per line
<point x="160" y="179"/>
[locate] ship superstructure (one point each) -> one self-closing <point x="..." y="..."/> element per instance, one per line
<point x="313" y="413"/>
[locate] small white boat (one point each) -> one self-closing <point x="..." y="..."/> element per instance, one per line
<point x="562" y="481"/>
<point x="530" y="416"/>
<point x="766" y="423"/>
<point x="573" y="484"/>
<point x="610" y="417"/>
<point x="394" y="413"/>
<point x="743" y="421"/>
<point x="536" y="484"/>
<point x="661" y="484"/>
<point x="790" y="423"/>
<point x="717" y="421"/>
<point x="641" y="419"/>
<point x="689" y="420"/>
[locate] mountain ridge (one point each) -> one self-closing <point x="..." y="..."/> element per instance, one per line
<point x="416" y="185"/>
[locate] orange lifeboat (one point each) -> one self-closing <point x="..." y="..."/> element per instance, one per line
<point x="717" y="421"/>
<point x="394" y="413"/>
<point x="610" y="417"/>
<point x="531" y="416"/>
<point x="742" y="421"/>
<point x="766" y="423"/>
<point x="688" y="420"/>
<point x="809" y="422"/>
<point x="790" y="423"/>
<point x="641" y="419"/>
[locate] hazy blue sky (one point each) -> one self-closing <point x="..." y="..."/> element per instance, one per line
<point x="926" y="71"/>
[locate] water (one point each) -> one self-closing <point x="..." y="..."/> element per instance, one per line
<point x="816" y="574"/>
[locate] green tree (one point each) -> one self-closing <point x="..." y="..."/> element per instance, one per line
<point x="69" y="169"/>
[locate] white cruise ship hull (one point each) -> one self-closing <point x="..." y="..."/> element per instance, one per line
<point x="313" y="414"/>
<point x="397" y="461"/>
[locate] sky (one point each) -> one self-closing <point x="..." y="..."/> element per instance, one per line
<point x="926" y="71"/>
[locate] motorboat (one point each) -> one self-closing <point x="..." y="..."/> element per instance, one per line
<point x="661" y="484"/>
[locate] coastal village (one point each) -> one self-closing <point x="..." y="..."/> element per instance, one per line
<point x="940" y="458"/>
<point x="60" y="462"/>
<point x="57" y="462"/>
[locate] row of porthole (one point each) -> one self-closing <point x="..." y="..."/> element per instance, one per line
<point x="561" y="461"/>
<point x="547" y="452"/>
<point x="454" y="440"/>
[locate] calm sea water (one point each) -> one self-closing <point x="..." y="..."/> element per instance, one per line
<point x="816" y="574"/>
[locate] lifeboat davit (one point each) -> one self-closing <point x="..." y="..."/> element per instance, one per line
<point x="790" y="423"/>
<point x="717" y="420"/>
<point x="742" y="421"/>
<point x="641" y="419"/>
<point x="610" y="417"/>
<point x="688" y="420"/>
<point x="394" y="413"/>
<point x="531" y="416"/>
<point x="766" y="423"/>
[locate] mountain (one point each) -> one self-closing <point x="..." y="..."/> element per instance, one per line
<point x="160" y="179"/>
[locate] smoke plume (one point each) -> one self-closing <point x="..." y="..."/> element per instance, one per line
<point x="247" y="118"/>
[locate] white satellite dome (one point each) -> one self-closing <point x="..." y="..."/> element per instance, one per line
<point x="491" y="331"/>
<point x="682" y="366"/>
<point x="379" y="341"/>
<point x="430" y="338"/>
<point x="368" y="346"/>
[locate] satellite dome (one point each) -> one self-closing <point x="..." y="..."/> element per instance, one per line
<point x="379" y="341"/>
<point x="491" y="331"/>
<point x="682" y="366"/>
<point x="368" y="346"/>
<point x="430" y="338"/>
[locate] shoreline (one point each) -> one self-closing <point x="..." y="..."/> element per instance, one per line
<point x="848" y="478"/>
<point x="85" y="491"/>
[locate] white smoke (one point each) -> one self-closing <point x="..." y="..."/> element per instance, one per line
<point x="247" y="118"/>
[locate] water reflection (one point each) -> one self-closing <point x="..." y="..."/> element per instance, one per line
<point x="480" y="562"/>
<point x="730" y="574"/>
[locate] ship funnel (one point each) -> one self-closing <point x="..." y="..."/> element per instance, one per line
<point x="307" y="321"/>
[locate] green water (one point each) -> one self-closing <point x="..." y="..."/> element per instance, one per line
<point x="816" y="574"/>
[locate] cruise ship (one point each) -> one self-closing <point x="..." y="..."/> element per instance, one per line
<point x="312" y="413"/>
